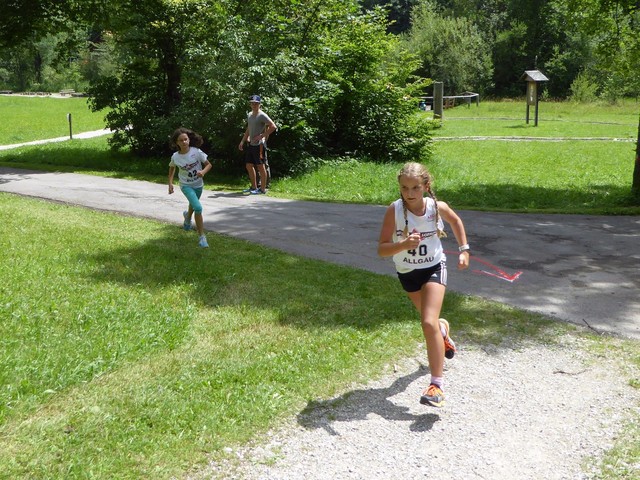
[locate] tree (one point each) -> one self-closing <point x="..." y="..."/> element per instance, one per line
<point x="636" y="170"/>
<point x="24" y="20"/>
<point x="399" y="12"/>
<point x="617" y="24"/>
<point x="451" y="50"/>
<point x="616" y="53"/>
<point x="331" y="77"/>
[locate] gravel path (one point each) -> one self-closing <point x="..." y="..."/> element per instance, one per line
<point x="534" y="412"/>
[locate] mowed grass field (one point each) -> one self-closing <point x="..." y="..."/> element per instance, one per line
<point x="584" y="165"/>
<point x="25" y="119"/>
<point x="128" y="354"/>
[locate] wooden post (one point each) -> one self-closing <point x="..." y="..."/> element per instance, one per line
<point x="635" y="187"/>
<point x="438" y="93"/>
<point x="532" y="99"/>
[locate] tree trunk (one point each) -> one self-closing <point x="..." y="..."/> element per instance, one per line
<point x="172" y="71"/>
<point x="635" y="188"/>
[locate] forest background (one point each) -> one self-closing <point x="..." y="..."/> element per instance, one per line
<point x="341" y="78"/>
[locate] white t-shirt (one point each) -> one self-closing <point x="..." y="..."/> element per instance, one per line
<point x="189" y="164"/>
<point x="429" y="252"/>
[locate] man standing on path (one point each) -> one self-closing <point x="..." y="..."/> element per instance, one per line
<point x="259" y="127"/>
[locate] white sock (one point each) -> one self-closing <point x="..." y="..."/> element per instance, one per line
<point x="437" y="381"/>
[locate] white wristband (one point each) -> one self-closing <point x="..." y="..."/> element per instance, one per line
<point x="464" y="248"/>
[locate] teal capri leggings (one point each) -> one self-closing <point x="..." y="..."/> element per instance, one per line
<point x="193" y="195"/>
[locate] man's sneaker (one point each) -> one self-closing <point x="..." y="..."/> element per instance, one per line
<point x="257" y="191"/>
<point x="247" y="190"/>
<point x="433" y="396"/>
<point x="187" y="221"/>
<point x="203" y="242"/>
<point x="449" y="346"/>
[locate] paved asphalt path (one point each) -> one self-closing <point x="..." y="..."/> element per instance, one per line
<point x="575" y="268"/>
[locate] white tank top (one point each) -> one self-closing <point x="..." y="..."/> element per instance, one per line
<point x="429" y="252"/>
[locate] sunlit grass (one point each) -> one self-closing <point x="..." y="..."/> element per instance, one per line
<point x="519" y="176"/>
<point x="555" y="119"/>
<point x="554" y="177"/>
<point x="130" y="353"/>
<point x="567" y="177"/>
<point x="25" y="119"/>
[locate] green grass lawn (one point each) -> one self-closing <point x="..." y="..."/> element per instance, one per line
<point x="132" y="356"/>
<point x="572" y="176"/>
<point x="141" y="356"/>
<point x="25" y="119"/>
<point x="555" y="119"/>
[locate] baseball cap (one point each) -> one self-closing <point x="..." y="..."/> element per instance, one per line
<point x="254" y="98"/>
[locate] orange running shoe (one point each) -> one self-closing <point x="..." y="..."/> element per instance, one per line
<point x="433" y="396"/>
<point x="449" y="345"/>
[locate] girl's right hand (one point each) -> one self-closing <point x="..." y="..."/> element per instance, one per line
<point x="170" y="189"/>
<point x="413" y="240"/>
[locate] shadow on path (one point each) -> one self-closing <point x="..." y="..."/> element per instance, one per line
<point x="359" y="404"/>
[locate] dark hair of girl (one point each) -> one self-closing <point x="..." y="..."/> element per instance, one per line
<point x="195" y="140"/>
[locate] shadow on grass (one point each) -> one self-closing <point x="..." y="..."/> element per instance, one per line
<point x="94" y="155"/>
<point x="303" y="293"/>
<point x="88" y="154"/>
<point x="594" y="199"/>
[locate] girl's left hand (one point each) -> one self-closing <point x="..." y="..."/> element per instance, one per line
<point x="463" y="260"/>
<point x="200" y="173"/>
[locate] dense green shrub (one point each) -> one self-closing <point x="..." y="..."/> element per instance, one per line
<point x="330" y="76"/>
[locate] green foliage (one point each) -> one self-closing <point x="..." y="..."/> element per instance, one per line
<point x="331" y="78"/>
<point x="128" y="367"/>
<point x="572" y="54"/>
<point x="583" y="89"/>
<point x="47" y="64"/>
<point x="509" y="58"/>
<point x="21" y="22"/>
<point x="562" y="38"/>
<point x="451" y="50"/>
<point x="616" y="53"/>
<point x="398" y="12"/>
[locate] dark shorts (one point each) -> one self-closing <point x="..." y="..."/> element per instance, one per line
<point x="256" y="154"/>
<point x="412" y="281"/>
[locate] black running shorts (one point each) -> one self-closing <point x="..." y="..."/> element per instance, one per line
<point x="412" y="281"/>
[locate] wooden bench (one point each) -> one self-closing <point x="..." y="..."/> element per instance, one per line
<point x="69" y="91"/>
